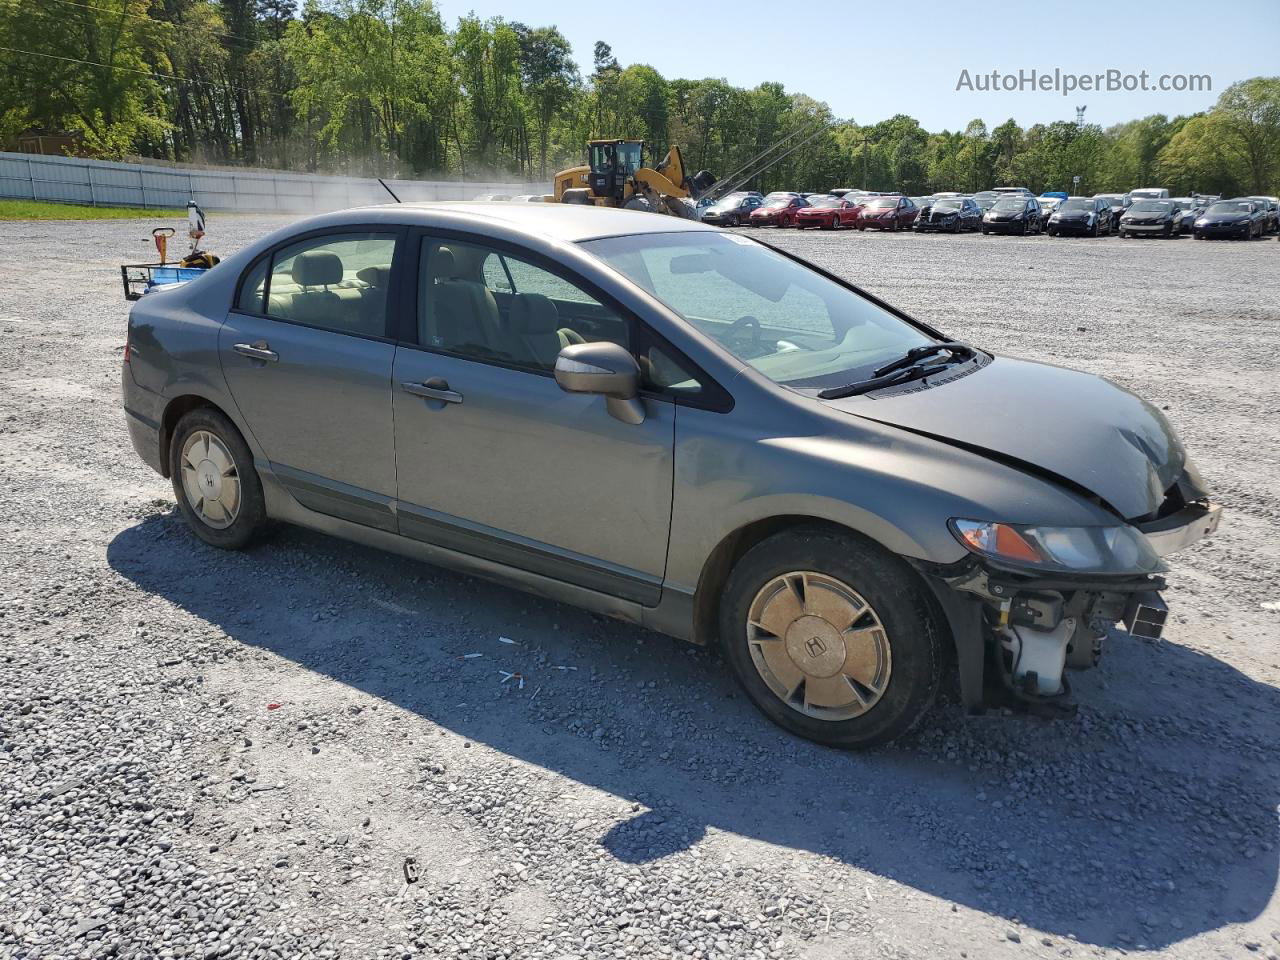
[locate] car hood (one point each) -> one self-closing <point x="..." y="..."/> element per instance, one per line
<point x="1049" y="420"/>
<point x="1224" y="217"/>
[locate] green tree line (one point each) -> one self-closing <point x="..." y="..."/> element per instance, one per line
<point x="385" y="87"/>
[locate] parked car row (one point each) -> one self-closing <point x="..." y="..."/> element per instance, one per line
<point x="1008" y="210"/>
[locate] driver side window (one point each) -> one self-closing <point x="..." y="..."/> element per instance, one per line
<point x="486" y="304"/>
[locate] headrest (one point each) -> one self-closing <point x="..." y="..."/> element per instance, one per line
<point x="375" y="276"/>
<point x="317" y="268"/>
<point x="532" y="313"/>
<point x="444" y="264"/>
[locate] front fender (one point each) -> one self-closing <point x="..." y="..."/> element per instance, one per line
<point x="894" y="487"/>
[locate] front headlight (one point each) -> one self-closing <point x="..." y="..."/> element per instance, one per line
<point x="1118" y="549"/>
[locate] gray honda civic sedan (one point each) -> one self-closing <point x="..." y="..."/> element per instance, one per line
<point x="680" y="427"/>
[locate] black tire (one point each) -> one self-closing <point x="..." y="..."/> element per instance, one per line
<point x="252" y="513"/>
<point x="892" y="590"/>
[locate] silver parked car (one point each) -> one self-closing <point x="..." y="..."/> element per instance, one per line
<point x="679" y="427"/>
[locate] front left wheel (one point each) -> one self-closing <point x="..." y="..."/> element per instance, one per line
<point x="217" y="487"/>
<point x="832" y="637"/>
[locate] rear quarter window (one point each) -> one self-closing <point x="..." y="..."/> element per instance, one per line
<point x="252" y="287"/>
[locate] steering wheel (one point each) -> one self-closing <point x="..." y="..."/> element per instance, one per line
<point x="735" y="330"/>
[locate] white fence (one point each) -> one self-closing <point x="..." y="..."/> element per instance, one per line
<point x="102" y="183"/>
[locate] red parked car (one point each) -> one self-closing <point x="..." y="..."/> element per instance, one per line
<point x="780" y="211"/>
<point x="829" y="213"/>
<point x="887" y="213"/>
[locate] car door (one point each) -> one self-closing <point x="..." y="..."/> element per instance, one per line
<point x="307" y="358"/>
<point x="493" y="458"/>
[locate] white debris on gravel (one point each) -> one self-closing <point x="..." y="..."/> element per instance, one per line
<point x="207" y="755"/>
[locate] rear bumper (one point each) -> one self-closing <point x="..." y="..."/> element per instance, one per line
<point x="142" y="411"/>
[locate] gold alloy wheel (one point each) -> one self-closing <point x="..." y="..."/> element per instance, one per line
<point x="210" y="479"/>
<point x="819" y="646"/>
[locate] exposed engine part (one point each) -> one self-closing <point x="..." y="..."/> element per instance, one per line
<point x="1084" y="649"/>
<point x="1040" y="610"/>
<point x="1145" y="614"/>
<point x="1038" y="657"/>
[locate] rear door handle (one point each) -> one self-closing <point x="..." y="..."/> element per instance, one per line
<point x="258" y="350"/>
<point x="437" y="388"/>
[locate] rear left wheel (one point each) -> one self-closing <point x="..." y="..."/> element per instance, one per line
<point x="833" y="638"/>
<point x="217" y="488"/>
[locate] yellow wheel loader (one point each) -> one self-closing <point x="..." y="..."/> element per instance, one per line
<point x="616" y="176"/>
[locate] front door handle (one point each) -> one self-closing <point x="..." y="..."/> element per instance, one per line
<point x="258" y="350"/>
<point x="437" y="388"/>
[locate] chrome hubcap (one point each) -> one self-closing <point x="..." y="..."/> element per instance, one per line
<point x="210" y="479"/>
<point x="818" y="645"/>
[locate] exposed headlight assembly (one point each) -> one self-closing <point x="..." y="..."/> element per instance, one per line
<point x="1118" y="549"/>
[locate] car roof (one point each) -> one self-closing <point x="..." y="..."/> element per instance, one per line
<point x="570" y="222"/>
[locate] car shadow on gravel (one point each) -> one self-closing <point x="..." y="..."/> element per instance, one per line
<point x="1148" y="819"/>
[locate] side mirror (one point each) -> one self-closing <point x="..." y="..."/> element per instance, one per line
<point x="607" y="370"/>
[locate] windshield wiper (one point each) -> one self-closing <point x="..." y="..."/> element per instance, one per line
<point x="959" y="351"/>
<point x="906" y="368"/>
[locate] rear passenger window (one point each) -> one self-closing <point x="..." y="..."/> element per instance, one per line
<point x="337" y="283"/>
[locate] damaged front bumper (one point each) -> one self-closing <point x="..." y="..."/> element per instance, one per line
<point x="1016" y="632"/>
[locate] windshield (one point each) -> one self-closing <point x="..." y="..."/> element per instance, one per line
<point x="1009" y="205"/>
<point x="947" y="204"/>
<point x="1077" y="206"/>
<point x="1228" y="207"/>
<point x="882" y="203"/>
<point x="729" y="202"/>
<point x="823" y="202"/>
<point x="629" y="156"/>
<point x="804" y="330"/>
<point x="777" y="203"/>
<point x="1152" y="206"/>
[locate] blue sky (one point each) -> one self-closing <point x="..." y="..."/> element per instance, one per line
<point x="869" y="60"/>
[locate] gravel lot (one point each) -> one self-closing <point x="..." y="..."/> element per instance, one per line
<point x="206" y="754"/>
